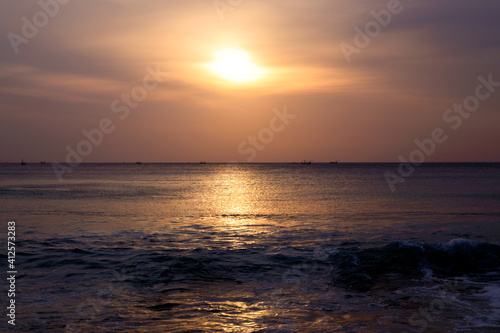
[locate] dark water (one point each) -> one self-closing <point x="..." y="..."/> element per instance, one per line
<point x="254" y="248"/>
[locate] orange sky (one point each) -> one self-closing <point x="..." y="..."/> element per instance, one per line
<point x="65" y="79"/>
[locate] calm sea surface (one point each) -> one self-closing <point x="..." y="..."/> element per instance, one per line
<point x="253" y="248"/>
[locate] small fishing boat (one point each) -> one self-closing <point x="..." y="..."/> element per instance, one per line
<point x="305" y="162"/>
<point x="22" y="162"/>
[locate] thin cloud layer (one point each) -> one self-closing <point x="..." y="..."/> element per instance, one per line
<point x="395" y="89"/>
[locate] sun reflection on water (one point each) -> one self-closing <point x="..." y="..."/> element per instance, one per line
<point x="234" y="193"/>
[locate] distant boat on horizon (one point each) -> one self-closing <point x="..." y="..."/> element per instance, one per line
<point x="22" y="162"/>
<point x="203" y="162"/>
<point x="334" y="162"/>
<point x="42" y="162"/>
<point x="138" y="162"/>
<point x="306" y="162"/>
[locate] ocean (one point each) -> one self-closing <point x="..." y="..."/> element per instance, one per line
<point x="252" y="248"/>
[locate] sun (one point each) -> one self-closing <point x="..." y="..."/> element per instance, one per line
<point x="235" y="65"/>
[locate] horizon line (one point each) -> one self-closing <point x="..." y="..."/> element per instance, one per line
<point x="265" y="162"/>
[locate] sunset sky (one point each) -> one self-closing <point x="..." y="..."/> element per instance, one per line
<point x="72" y="71"/>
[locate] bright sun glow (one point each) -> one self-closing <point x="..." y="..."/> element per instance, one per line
<point x="235" y="65"/>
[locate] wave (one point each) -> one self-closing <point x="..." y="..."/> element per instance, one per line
<point x="362" y="269"/>
<point x="349" y="267"/>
